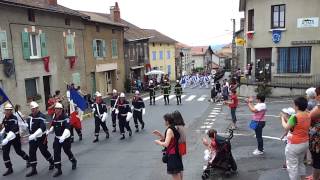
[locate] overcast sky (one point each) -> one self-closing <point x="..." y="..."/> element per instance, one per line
<point x="193" y="22"/>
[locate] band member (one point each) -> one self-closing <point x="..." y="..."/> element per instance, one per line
<point x="37" y="139"/>
<point x="124" y="115"/>
<point x="60" y="126"/>
<point x="138" y="110"/>
<point x="113" y="101"/>
<point x="11" y="135"/>
<point x="166" y="88"/>
<point x="178" y="92"/>
<point x="100" y="116"/>
<point x="152" y="92"/>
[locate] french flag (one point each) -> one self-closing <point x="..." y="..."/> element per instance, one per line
<point x="77" y="99"/>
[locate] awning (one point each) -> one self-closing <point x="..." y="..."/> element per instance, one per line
<point x="106" y="67"/>
<point x="136" y="67"/>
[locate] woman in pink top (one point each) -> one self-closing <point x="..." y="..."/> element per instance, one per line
<point x="259" y="111"/>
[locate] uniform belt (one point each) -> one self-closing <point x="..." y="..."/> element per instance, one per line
<point x="137" y="109"/>
<point x="58" y="137"/>
<point x="123" y="114"/>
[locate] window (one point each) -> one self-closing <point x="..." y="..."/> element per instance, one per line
<point x="114" y="44"/>
<point x="294" y="60"/>
<point x="35" y="46"/>
<point x="97" y="28"/>
<point x="70" y="45"/>
<point x="251" y="20"/>
<point x="31" y="89"/>
<point x="99" y="48"/>
<point x="169" y="70"/>
<point x="161" y="55"/>
<point x="278" y="16"/>
<point x="4" y="54"/>
<point x="31" y="15"/>
<point x="154" y="55"/>
<point x="67" y="21"/>
<point x="168" y="55"/>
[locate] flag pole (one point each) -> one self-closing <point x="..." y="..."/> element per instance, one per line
<point x="17" y="112"/>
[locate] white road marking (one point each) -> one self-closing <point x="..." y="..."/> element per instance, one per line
<point x="159" y="97"/>
<point x="205" y="127"/>
<point x="183" y="96"/>
<point x="217" y="108"/>
<point x="208" y="123"/>
<point x="172" y="96"/>
<point x="213" y="113"/>
<point x="210" y="120"/>
<point x="146" y="98"/>
<point x="190" y="98"/>
<point x="202" y="98"/>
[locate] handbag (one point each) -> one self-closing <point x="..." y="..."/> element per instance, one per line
<point x="165" y="157"/>
<point x="253" y="124"/>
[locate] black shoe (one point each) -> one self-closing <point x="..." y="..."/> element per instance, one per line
<point x="57" y="173"/>
<point x="107" y="135"/>
<point x="142" y="126"/>
<point x="114" y="130"/>
<point x="80" y="137"/>
<point x="96" y="140"/>
<point x="123" y="137"/>
<point x="51" y="166"/>
<point x="8" y="172"/>
<point x="32" y="172"/>
<point x="74" y="164"/>
<point x="137" y="130"/>
<point x="130" y="133"/>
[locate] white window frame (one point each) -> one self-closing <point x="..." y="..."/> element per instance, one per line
<point x="37" y="84"/>
<point x="38" y="46"/>
<point x="101" y="49"/>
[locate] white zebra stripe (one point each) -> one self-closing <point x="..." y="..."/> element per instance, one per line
<point x="159" y="97"/>
<point x="172" y="96"/>
<point x="190" y="98"/>
<point x="202" y="98"/>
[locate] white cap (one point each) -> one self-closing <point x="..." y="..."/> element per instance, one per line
<point x="114" y="91"/>
<point x="137" y="92"/>
<point x="122" y="95"/>
<point x="311" y="92"/>
<point x="177" y="81"/>
<point x="289" y="111"/>
<point x="34" y="104"/>
<point x="8" y="106"/>
<point x="58" y="106"/>
<point x="98" y="94"/>
<point x="151" y="81"/>
<point x="165" y="80"/>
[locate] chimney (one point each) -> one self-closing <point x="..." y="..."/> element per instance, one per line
<point x="115" y="13"/>
<point x="52" y="2"/>
<point x="242" y="21"/>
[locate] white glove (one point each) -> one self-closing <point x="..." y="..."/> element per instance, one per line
<point x="35" y="135"/>
<point x="117" y="111"/>
<point x="143" y="111"/>
<point x="129" y="116"/>
<point x="206" y="155"/>
<point x="10" y="136"/>
<point x="93" y="109"/>
<point x="49" y="131"/>
<point x="4" y="142"/>
<point x="132" y="108"/>
<point x="32" y="137"/>
<point x="2" y="132"/>
<point x="65" y="135"/>
<point x="104" y="117"/>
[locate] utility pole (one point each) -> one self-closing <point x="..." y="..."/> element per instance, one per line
<point x="233" y="60"/>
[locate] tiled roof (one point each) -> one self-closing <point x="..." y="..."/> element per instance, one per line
<point x="159" y="37"/>
<point x="42" y="5"/>
<point x="134" y="32"/>
<point x="199" y="50"/>
<point x="181" y="45"/>
<point x="101" y="18"/>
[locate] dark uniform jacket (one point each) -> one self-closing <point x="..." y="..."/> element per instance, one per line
<point x="60" y="124"/>
<point x="36" y="122"/>
<point x="99" y="108"/>
<point x="152" y="90"/>
<point x="113" y="100"/>
<point x="166" y="89"/>
<point x="123" y="107"/>
<point x="137" y="103"/>
<point x="178" y="90"/>
<point x="10" y="124"/>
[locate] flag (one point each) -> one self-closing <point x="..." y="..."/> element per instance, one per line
<point x="75" y="116"/>
<point x="78" y="99"/>
<point x="3" y="97"/>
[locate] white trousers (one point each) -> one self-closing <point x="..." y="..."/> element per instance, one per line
<point x="294" y="159"/>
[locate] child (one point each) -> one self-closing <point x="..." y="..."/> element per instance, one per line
<point x="210" y="153"/>
<point x="233" y="104"/>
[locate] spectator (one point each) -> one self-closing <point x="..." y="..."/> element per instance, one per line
<point x="225" y="90"/>
<point x="22" y="128"/>
<point x="179" y="123"/>
<point x="170" y="142"/>
<point x="298" y="138"/>
<point x="233" y="104"/>
<point x="51" y="104"/>
<point x="314" y="142"/>
<point x="311" y="96"/>
<point x="258" y="118"/>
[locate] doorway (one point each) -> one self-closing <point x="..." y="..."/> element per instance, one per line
<point x="93" y="83"/>
<point x="47" y="89"/>
<point x="263" y="64"/>
<point x="109" y="82"/>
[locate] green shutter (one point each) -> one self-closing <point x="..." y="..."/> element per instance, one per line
<point x="70" y="45"/>
<point x="104" y="48"/>
<point x="114" y="48"/>
<point x="94" y="48"/>
<point x="4" y="45"/>
<point x="43" y="42"/>
<point x="76" y="79"/>
<point x="25" y="45"/>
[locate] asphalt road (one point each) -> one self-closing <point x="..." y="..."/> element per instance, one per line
<point x="139" y="158"/>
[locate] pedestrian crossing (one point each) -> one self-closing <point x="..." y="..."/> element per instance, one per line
<point x="187" y="98"/>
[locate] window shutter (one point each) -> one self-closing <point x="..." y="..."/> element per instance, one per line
<point x="76" y="79"/>
<point x="43" y="42"/>
<point x="104" y="48"/>
<point x="94" y="48"/>
<point x="70" y="45"/>
<point x="25" y="45"/>
<point x="4" y="45"/>
<point x="114" y="48"/>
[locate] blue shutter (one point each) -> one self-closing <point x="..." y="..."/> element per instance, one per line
<point x="305" y="59"/>
<point x="161" y="55"/>
<point x="283" y="60"/>
<point x="94" y="48"/>
<point x="104" y="48"/>
<point x="3" y="45"/>
<point x="154" y="55"/>
<point x="169" y="70"/>
<point x="294" y="60"/>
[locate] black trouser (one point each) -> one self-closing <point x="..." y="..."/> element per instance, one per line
<point x="16" y="143"/>
<point x="178" y="99"/>
<point x="114" y="118"/>
<point x="98" y="123"/>
<point x="123" y="123"/>
<point x="42" y="144"/>
<point x="258" y="132"/>
<point x="137" y="116"/>
<point x="152" y="97"/>
<point x="66" y="145"/>
<point x="78" y="130"/>
<point x="166" y="99"/>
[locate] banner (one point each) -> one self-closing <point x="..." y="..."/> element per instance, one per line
<point x="3" y="97"/>
<point x="8" y="68"/>
<point x="78" y="99"/>
<point x="72" y="61"/>
<point x="46" y="61"/>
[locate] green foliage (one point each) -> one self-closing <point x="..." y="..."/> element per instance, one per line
<point x="264" y="89"/>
